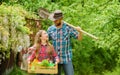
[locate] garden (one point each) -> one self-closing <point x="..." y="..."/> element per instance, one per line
<point x="20" y="20"/>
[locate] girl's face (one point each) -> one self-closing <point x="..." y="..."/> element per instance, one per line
<point x="44" y="36"/>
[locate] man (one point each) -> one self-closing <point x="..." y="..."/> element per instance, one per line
<point x="60" y="34"/>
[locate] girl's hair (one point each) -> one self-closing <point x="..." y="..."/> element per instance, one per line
<point x="37" y="43"/>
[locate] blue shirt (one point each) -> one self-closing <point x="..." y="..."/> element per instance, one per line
<point x="61" y="41"/>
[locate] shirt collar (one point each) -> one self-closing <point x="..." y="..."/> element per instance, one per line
<point x="43" y="45"/>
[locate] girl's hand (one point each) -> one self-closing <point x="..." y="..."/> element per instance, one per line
<point x="57" y="61"/>
<point x="29" y="62"/>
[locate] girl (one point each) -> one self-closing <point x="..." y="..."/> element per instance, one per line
<point x="42" y="48"/>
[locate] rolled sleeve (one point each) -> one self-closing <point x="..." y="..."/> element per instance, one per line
<point x="74" y="33"/>
<point x="32" y="56"/>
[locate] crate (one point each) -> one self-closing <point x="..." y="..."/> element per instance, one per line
<point x="43" y="70"/>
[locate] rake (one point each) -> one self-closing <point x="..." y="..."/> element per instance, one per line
<point x="44" y="13"/>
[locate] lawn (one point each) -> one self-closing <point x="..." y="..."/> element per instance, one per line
<point x="18" y="71"/>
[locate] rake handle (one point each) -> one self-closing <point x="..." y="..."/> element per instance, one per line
<point x="94" y="37"/>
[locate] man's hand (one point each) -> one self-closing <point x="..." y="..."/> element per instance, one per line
<point x="78" y="29"/>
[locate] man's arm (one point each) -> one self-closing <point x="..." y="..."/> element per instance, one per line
<point x="80" y="33"/>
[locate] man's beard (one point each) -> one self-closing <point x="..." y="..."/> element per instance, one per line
<point x="58" y="24"/>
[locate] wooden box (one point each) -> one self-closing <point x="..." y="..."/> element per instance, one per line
<point x="43" y="70"/>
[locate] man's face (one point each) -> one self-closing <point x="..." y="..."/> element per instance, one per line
<point x="58" y="22"/>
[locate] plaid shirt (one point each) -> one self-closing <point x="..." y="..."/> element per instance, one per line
<point x="42" y="54"/>
<point x="61" y="41"/>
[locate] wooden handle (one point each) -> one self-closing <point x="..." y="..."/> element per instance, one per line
<point x="94" y="37"/>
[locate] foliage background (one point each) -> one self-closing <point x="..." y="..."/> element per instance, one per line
<point x="99" y="17"/>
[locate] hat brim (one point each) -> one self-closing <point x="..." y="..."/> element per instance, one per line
<point x="51" y="17"/>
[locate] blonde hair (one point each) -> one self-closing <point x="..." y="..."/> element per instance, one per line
<point x="37" y="43"/>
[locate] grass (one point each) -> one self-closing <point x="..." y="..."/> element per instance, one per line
<point x="18" y="71"/>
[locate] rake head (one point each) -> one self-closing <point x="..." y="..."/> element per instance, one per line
<point x="43" y="13"/>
